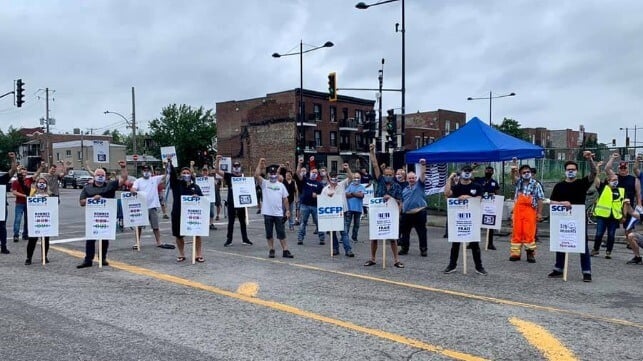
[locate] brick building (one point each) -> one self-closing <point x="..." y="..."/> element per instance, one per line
<point x="333" y="132"/>
<point x="426" y="127"/>
<point x="562" y="144"/>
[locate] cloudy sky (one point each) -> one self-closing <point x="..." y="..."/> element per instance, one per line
<point x="570" y="62"/>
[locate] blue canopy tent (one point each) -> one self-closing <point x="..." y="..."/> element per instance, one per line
<point x="475" y="142"/>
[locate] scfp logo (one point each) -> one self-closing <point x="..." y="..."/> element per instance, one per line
<point x="96" y="201"/>
<point x="128" y="195"/>
<point x="377" y="201"/>
<point x="558" y="208"/>
<point x="458" y="202"/>
<point x="329" y="210"/>
<point x="192" y="199"/>
<point x="238" y="180"/>
<point x="37" y="200"/>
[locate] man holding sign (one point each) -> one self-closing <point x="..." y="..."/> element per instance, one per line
<point x="275" y="208"/>
<point x="100" y="188"/>
<point x="572" y="191"/>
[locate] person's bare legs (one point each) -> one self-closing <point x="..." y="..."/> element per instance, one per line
<point x="373" y="249"/>
<point x="394" y="250"/>
<point x="197" y="244"/>
<point x="180" y="245"/>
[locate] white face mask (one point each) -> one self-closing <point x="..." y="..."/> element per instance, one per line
<point x="323" y="174"/>
<point x="273" y="178"/>
<point x="399" y="177"/>
<point x="42" y="186"/>
<point x="466" y="175"/>
<point x="570" y="174"/>
<point x="99" y="178"/>
<point x="236" y="169"/>
<point x="146" y="175"/>
<point x="613" y="184"/>
<point x="186" y="177"/>
<point x="526" y="175"/>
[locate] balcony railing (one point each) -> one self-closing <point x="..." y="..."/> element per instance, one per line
<point x="349" y="124"/>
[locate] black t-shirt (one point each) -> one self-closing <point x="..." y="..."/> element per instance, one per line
<point x="574" y="192"/>
<point x="629" y="183"/>
<point x="489" y="185"/>
<point x="291" y="188"/>
<point x="615" y="193"/>
<point x="472" y="189"/>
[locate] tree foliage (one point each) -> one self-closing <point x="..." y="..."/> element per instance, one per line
<point x="511" y="127"/>
<point x="190" y="130"/>
<point x="9" y="142"/>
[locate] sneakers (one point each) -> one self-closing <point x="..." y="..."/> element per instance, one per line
<point x="530" y="257"/>
<point x="594" y="253"/>
<point x="423" y="253"/>
<point x="491" y="247"/>
<point x="5" y="251"/>
<point x="227" y="243"/>
<point x="105" y="263"/>
<point x="449" y="269"/>
<point x="16" y="239"/>
<point x="608" y="255"/>
<point x="271" y="253"/>
<point x="287" y="254"/>
<point x="213" y="227"/>
<point x="84" y="265"/>
<point x="335" y="252"/>
<point x="27" y="261"/>
<point x="635" y="260"/>
<point x="481" y="271"/>
<point x="555" y="274"/>
<point x="351" y="254"/>
<point x="165" y="216"/>
<point x="321" y="243"/>
<point x="300" y="242"/>
<point x="247" y="242"/>
<point x="587" y="277"/>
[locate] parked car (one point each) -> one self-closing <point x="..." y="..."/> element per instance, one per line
<point x="76" y="178"/>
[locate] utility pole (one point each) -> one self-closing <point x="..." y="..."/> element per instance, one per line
<point x="134" y="133"/>
<point x="379" y="127"/>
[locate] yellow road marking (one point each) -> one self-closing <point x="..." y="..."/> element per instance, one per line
<point x="450" y="292"/>
<point x="543" y="340"/>
<point x="249" y="289"/>
<point x="284" y="308"/>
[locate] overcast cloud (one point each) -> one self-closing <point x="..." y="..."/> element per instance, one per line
<point x="570" y="62"/>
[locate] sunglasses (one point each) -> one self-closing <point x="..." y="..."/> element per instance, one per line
<point x="526" y="172"/>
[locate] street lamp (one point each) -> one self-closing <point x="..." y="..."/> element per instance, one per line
<point x="301" y="53"/>
<point x="364" y="6"/>
<point x="491" y="97"/>
<point x="133" y="131"/>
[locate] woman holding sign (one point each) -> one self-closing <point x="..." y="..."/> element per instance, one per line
<point x="183" y="186"/>
<point x="39" y="189"/>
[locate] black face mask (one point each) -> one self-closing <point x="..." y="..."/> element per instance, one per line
<point x="488" y="175"/>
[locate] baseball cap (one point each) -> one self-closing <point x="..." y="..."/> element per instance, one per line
<point x="467" y="168"/>
<point x="145" y="167"/>
<point x="622" y="165"/>
<point x="236" y="164"/>
<point x="272" y="170"/>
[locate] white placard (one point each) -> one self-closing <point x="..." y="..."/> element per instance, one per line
<point x="225" y="164"/>
<point x="491" y="209"/>
<point x="100" y="218"/>
<point x="567" y="229"/>
<point x="330" y="212"/>
<point x="101" y="151"/>
<point x="3" y="202"/>
<point x="171" y="150"/>
<point x="464" y="219"/>
<point x="135" y="211"/>
<point x="244" y="192"/>
<point x="195" y="216"/>
<point x="368" y="195"/>
<point x="42" y="216"/>
<point x="207" y="187"/>
<point x="383" y="219"/>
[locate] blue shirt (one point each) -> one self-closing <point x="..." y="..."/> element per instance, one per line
<point x="355" y="204"/>
<point x="310" y="187"/>
<point x="394" y="191"/>
<point x="413" y="197"/>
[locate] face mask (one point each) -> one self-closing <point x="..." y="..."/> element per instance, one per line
<point x="398" y="177"/>
<point x="355" y="181"/>
<point x="466" y="175"/>
<point x="526" y="175"/>
<point x="488" y="175"/>
<point x="570" y="174"/>
<point x="302" y="174"/>
<point x="186" y="178"/>
<point x="44" y="185"/>
<point x="323" y="174"/>
<point x="388" y="178"/>
<point x="236" y="169"/>
<point x="99" y="178"/>
<point x="333" y="180"/>
<point x="313" y="176"/>
<point x="146" y="175"/>
<point x="273" y="178"/>
<point x="613" y="184"/>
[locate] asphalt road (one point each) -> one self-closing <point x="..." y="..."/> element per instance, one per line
<point x="240" y="305"/>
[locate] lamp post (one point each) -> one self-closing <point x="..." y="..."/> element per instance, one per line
<point x="364" y="6"/>
<point x="491" y="97"/>
<point x="301" y="52"/>
<point x="133" y="132"/>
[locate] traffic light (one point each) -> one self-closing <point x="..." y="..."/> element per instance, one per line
<point x="332" y="87"/>
<point x="370" y="125"/>
<point x="391" y="129"/>
<point x="20" y="90"/>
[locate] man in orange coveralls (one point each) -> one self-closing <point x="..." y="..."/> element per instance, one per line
<point x="528" y="206"/>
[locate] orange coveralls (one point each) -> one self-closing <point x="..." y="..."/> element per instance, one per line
<point x="524" y="225"/>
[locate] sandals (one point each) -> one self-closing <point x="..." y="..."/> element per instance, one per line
<point x="369" y="263"/>
<point x="180" y="259"/>
<point x="398" y="265"/>
<point x="200" y="259"/>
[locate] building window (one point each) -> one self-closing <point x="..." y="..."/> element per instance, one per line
<point x="431" y="140"/>
<point x="457" y="125"/>
<point x="345" y="142"/>
<point x="68" y="153"/>
<point x="345" y="114"/>
<point x="418" y="144"/>
<point x="333" y="166"/>
<point x="358" y="141"/>
<point x="333" y="114"/>
<point x="57" y="156"/>
<point x="80" y="155"/>
<point x="333" y="139"/>
<point x="318" y="138"/>
<point x="447" y="127"/>
<point x="317" y="110"/>
<point x="359" y="116"/>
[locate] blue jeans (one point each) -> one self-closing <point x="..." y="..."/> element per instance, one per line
<point x="307" y="211"/>
<point x="344" y="236"/>
<point x="602" y="225"/>
<point x="291" y="219"/>
<point x="20" y="213"/>
<point x="585" y="260"/>
<point x="351" y="217"/>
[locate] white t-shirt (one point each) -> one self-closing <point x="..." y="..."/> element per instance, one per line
<point x="273" y="198"/>
<point x="149" y="187"/>
<point x="339" y="191"/>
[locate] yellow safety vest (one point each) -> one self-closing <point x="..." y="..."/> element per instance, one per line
<point x="606" y="205"/>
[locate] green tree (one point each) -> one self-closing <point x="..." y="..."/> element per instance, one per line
<point x="9" y="142"/>
<point x="117" y="137"/>
<point x="190" y="130"/>
<point x="511" y="127"/>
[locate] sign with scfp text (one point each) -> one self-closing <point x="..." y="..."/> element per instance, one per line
<point x="464" y="219"/>
<point x="567" y="228"/>
<point x="100" y="218"/>
<point x="383" y="219"/>
<point x="195" y="216"/>
<point x="42" y="216"/>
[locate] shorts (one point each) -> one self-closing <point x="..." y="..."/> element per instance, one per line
<point x="638" y="238"/>
<point x="162" y="198"/>
<point x="153" y="216"/>
<point x="279" y="226"/>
